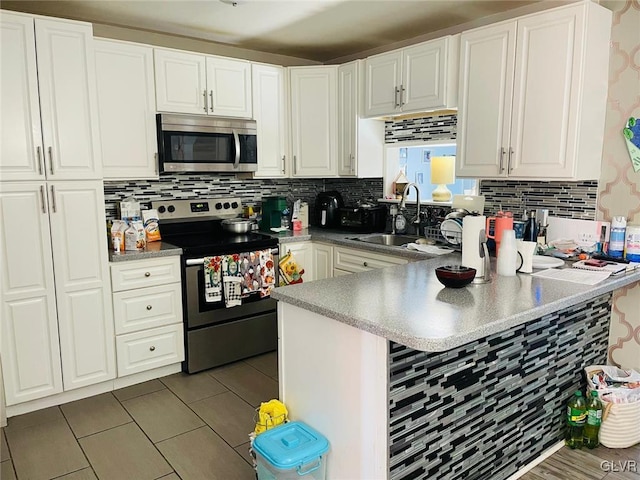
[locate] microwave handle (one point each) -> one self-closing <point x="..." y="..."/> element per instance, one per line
<point x="236" y="139"/>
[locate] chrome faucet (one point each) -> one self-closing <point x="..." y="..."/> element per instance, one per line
<point x="416" y="220"/>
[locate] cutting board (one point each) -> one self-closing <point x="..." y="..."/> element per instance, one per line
<point x="471" y="203"/>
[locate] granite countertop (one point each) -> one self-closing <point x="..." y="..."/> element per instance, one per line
<point x="407" y="303"/>
<point x="345" y="239"/>
<point x="152" y="250"/>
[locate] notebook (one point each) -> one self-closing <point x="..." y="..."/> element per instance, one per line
<point x="611" y="267"/>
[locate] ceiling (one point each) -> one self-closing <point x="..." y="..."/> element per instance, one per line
<point x="317" y="30"/>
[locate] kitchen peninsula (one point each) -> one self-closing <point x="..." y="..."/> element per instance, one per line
<point x="408" y="379"/>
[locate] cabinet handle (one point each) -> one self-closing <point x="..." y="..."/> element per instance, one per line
<point x="501" y="156"/>
<point x="152" y="348"/>
<point x="402" y="95"/>
<point x="44" y="206"/>
<point x="352" y="162"/>
<point x="206" y="107"/>
<point x="147" y="274"/>
<point x="509" y="166"/>
<point x="149" y="307"/>
<point x="395" y="97"/>
<point x="211" y="97"/>
<point x="51" y="160"/>
<point x="38" y="154"/>
<point x="295" y="165"/>
<point x="283" y="164"/>
<point x="365" y="264"/>
<point x="53" y="199"/>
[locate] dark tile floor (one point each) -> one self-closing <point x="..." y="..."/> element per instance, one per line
<point x="193" y="427"/>
<point x="177" y="427"/>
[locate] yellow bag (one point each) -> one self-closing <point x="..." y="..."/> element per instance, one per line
<point x="270" y="414"/>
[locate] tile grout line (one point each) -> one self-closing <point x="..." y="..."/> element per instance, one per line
<point x="78" y="442"/>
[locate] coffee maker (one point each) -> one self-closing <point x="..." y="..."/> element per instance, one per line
<point x="272" y="208"/>
<point x="327" y="211"/>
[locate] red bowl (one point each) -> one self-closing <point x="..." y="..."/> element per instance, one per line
<point x="455" y="276"/>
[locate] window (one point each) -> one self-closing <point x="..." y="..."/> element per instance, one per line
<point x="415" y="162"/>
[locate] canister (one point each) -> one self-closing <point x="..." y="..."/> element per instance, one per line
<point x="632" y="243"/>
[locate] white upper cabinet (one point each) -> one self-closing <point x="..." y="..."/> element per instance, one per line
<point x="314" y="120"/>
<point x="418" y="78"/>
<point x="360" y="140"/>
<point x="200" y="84"/>
<point x="533" y="95"/>
<point x="126" y="109"/>
<point x="270" y="114"/>
<point x="49" y="126"/>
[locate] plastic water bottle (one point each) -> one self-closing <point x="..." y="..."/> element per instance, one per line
<point x="594" y="419"/>
<point x="576" y="418"/>
<point x="616" y="239"/>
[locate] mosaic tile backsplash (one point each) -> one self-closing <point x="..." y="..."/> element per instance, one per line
<point x="485" y="409"/>
<point x="251" y="191"/>
<point x="439" y="127"/>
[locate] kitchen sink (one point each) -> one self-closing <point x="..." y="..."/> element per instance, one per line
<point x="388" y="239"/>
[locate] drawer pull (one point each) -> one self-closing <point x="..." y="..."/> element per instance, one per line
<point x="152" y="348"/>
<point x="365" y="264"/>
<point x="147" y="274"/>
<point x="149" y="307"/>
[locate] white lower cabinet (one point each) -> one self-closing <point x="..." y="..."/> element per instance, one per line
<point x="353" y="261"/>
<point x="57" y="327"/>
<point x="322" y="260"/>
<point x="302" y="252"/>
<point x="147" y="305"/>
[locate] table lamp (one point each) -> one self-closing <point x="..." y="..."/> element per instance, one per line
<point x="442" y="172"/>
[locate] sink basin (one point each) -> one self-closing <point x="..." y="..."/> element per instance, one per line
<point x="388" y="239"/>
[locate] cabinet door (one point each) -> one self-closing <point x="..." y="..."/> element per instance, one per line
<point x="302" y="252"/>
<point x="28" y="322"/>
<point x="180" y="82"/>
<point x="20" y="136"/>
<point x="424" y="79"/>
<point x="229" y="86"/>
<point x="126" y="109"/>
<point x="82" y="283"/>
<point x="484" y="114"/>
<point x="347" y="118"/>
<point x="269" y="112"/>
<point x="68" y="102"/>
<point x="546" y="96"/>
<point x="383" y="79"/>
<point x="322" y="261"/>
<point x="314" y="120"/>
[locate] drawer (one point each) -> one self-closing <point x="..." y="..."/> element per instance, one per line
<point x="144" y="273"/>
<point x="360" y="261"/>
<point x="145" y="308"/>
<point x="140" y="351"/>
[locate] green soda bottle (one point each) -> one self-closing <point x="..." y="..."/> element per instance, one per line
<point x="594" y="419"/>
<point x="576" y="418"/>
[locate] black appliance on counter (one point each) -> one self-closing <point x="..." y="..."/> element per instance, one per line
<point x="215" y="335"/>
<point x="327" y="211"/>
<point x="364" y="218"/>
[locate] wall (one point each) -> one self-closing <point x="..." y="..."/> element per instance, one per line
<point x="251" y="191"/>
<point x="619" y="186"/>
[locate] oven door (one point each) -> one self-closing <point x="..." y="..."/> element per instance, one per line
<point x="200" y="313"/>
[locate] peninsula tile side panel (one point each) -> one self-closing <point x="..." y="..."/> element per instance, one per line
<point x="488" y="408"/>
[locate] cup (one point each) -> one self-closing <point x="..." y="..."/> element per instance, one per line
<point x="501" y="222"/>
<point x="518" y="227"/>
<point x="526" y="250"/>
<point x="508" y="256"/>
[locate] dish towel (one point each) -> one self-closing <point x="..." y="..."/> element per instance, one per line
<point x="267" y="273"/>
<point x="250" y="271"/>
<point x="212" y="279"/>
<point x="231" y="280"/>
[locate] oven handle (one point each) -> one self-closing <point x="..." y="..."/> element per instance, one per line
<point x="236" y="139"/>
<point x="200" y="261"/>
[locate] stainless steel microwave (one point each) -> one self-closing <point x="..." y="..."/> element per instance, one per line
<point x="195" y="143"/>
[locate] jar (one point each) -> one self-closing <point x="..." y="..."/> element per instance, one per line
<point x="617" y="236"/>
<point x="632" y="243"/>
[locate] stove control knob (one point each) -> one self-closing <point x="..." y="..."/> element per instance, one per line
<point x="234" y="205"/>
<point x="218" y="206"/>
<point x="226" y="205"/>
<point x="171" y="208"/>
<point x="161" y="209"/>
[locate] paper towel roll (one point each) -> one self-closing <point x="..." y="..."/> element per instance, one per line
<point x="471" y="226"/>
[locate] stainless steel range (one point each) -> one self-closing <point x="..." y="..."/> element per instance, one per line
<point x="216" y="334"/>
